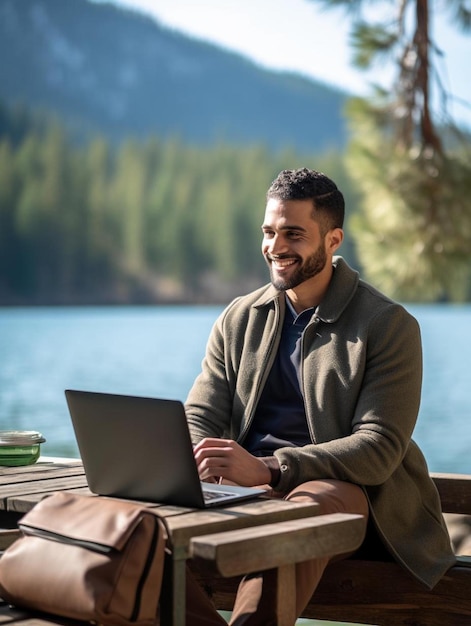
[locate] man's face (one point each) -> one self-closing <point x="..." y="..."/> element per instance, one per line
<point x="292" y="243"/>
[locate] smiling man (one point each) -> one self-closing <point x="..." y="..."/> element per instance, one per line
<point x="311" y="386"/>
<point x="297" y="247"/>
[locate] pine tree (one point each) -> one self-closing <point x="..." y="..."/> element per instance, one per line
<point x="412" y="165"/>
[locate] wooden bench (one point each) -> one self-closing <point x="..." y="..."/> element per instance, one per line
<point x="361" y="591"/>
<point x="278" y="546"/>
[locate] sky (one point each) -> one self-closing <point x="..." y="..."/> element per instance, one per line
<point x="298" y="35"/>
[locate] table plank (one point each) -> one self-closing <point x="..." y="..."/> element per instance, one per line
<point x="247" y="514"/>
<point x="12" y="497"/>
<point x="274" y="545"/>
<point x="25" y="502"/>
<point x="40" y="473"/>
<point x="41" y="464"/>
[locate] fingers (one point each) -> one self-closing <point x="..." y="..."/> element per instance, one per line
<point x="210" y="459"/>
<point x="212" y="442"/>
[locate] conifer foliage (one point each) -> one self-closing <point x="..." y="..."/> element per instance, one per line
<point x="411" y="162"/>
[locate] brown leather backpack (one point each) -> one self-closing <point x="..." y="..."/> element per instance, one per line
<point x="88" y="558"/>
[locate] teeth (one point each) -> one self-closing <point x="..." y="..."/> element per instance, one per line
<point x="282" y="263"/>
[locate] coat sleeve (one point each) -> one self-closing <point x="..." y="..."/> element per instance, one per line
<point x="209" y="402"/>
<point x="368" y="429"/>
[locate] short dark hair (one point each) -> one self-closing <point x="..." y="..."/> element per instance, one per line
<point x="306" y="184"/>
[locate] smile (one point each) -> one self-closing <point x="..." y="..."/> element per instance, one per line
<point x="282" y="263"/>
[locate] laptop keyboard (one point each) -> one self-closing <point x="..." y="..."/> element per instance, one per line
<point x="212" y="495"/>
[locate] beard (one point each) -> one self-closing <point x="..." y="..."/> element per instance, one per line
<point x="312" y="266"/>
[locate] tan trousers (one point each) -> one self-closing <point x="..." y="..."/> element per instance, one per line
<point x="255" y="601"/>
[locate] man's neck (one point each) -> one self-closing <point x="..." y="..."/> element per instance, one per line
<point x="310" y="293"/>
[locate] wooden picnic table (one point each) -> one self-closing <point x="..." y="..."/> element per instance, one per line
<point x="23" y="487"/>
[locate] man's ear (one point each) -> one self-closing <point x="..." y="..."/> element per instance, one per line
<point x="334" y="240"/>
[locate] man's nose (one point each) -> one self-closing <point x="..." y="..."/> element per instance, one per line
<point x="276" y="245"/>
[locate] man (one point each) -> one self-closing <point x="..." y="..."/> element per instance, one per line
<point x="311" y="385"/>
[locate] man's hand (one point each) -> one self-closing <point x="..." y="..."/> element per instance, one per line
<point x="224" y="458"/>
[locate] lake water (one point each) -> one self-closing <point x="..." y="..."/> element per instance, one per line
<point x="157" y="351"/>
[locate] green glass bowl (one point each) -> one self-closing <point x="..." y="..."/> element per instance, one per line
<point x="20" y="447"/>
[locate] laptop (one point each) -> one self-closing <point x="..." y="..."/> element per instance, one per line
<point x="140" y="449"/>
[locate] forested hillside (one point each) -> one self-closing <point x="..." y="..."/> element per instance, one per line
<point x="157" y="221"/>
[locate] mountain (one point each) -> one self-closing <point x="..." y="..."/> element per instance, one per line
<point x="105" y="69"/>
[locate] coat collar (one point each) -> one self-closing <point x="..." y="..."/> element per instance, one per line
<point x="342" y="288"/>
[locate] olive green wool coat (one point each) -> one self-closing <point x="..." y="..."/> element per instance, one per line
<point x="361" y="380"/>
